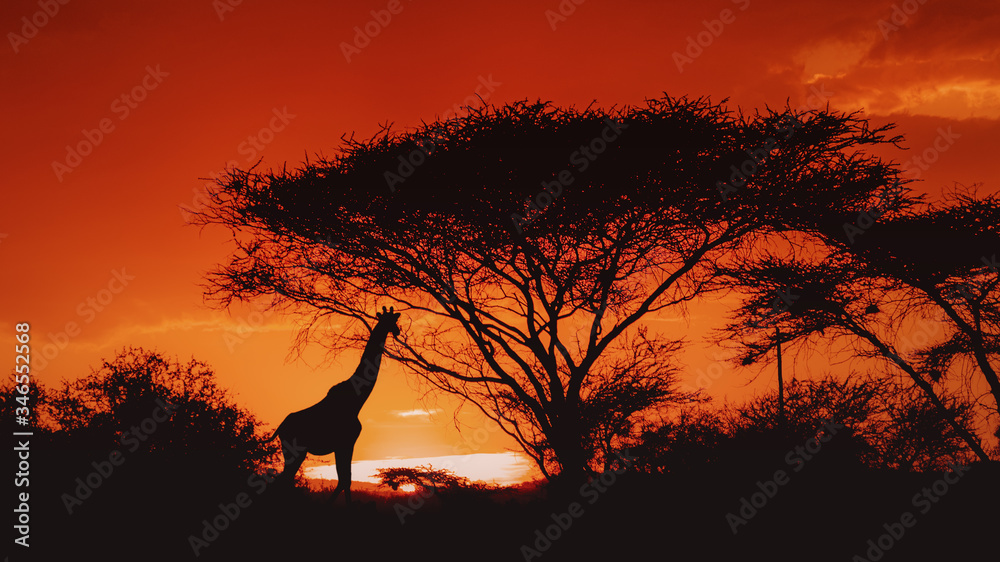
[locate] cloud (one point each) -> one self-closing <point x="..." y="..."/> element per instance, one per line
<point x="112" y="337"/>
<point x="418" y="413"/>
<point x="938" y="60"/>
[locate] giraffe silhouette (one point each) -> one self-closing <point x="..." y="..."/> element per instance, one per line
<point x="332" y="425"/>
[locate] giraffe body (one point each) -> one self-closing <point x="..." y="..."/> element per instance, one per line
<point x="312" y="426"/>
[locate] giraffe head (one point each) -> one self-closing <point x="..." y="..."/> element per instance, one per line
<point x="387" y="320"/>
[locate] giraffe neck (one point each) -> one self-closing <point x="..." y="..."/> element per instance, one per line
<point x="364" y="377"/>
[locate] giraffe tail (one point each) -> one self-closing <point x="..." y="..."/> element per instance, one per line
<point x="275" y="434"/>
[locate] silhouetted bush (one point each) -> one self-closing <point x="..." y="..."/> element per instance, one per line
<point x="886" y="425"/>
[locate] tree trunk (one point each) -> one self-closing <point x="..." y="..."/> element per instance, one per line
<point x="567" y="445"/>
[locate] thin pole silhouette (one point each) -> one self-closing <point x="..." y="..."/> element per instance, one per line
<point x="781" y="382"/>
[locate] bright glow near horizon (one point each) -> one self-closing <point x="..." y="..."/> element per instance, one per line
<point x="504" y="469"/>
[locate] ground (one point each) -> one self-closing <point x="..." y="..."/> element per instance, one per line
<point x="821" y="512"/>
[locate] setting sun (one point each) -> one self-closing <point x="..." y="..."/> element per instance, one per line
<point x="503" y="469"/>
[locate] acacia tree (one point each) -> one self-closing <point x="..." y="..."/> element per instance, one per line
<point x="427" y="477"/>
<point x="917" y="268"/>
<point x="532" y="242"/>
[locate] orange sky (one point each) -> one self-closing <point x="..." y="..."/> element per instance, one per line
<point x="205" y="86"/>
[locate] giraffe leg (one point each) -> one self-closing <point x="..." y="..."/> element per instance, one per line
<point x="293" y="460"/>
<point x="344" y="457"/>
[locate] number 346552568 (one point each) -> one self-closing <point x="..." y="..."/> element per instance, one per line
<point x="22" y="366"/>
